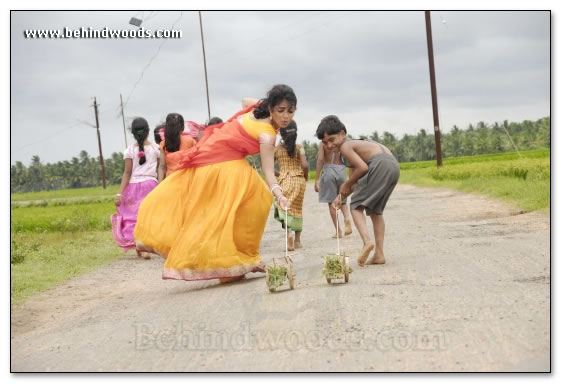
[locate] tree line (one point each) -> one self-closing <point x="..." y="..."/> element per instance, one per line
<point x="84" y="171"/>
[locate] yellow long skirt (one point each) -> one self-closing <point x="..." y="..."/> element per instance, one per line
<point x="208" y="222"/>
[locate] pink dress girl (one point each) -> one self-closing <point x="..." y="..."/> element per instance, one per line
<point x="138" y="181"/>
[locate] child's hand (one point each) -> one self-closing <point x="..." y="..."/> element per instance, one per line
<point x="117" y="200"/>
<point x="345" y="189"/>
<point x="284" y="202"/>
<point x="336" y="204"/>
<point x="316" y="189"/>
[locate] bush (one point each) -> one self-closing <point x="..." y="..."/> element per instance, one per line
<point x="20" y="249"/>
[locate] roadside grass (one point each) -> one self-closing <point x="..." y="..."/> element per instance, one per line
<point x="75" y="193"/>
<point x="48" y="259"/>
<point x="533" y="154"/>
<point x="58" y="240"/>
<point x="524" y="182"/>
<point x="60" y="202"/>
<point x="64" y="218"/>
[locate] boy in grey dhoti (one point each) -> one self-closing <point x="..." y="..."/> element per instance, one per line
<point x="373" y="178"/>
<point x="328" y="185"/>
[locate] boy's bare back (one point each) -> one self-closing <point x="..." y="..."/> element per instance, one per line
<point x="364" y="149"/>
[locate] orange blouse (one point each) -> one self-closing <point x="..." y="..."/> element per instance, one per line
<point x="172" y="164"/>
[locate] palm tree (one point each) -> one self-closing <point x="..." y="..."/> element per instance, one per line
<point x="375" y="137"/>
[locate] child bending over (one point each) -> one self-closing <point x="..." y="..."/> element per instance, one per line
<point x="374" y="175"/>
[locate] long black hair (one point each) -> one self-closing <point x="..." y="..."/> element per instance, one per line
<point x="140" y="130"/>
<point x="157" y="137"/>
<point x="289" y="136"/>
<point x="173" y="130"/>
<point x="213" y="121"/>
<point x="274" y="97"/>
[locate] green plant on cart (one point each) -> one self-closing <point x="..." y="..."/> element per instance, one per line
<point x="277" y="275"/>
<point x="334" y="266"/>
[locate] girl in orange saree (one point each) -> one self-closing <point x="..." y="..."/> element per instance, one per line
<point x="208" y="218"/>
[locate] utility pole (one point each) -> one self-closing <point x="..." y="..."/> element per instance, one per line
<point x="433" y="89"/>
<point x="123" y="116"/>
<point x="99" y="143"/>
<point x="205" y="65"/>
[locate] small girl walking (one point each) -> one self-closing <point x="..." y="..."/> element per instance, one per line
<point x="139" y="178"/>
<point x="293" y="175"/>
<point x="174" y="141"/>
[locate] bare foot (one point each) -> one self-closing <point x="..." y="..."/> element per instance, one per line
<point x="146" y="255"/>
<point x="376" y="259"/>
<point x="226" y="280"/>
<point x="367" y="248"/>
<point x="336" y="235"/>
<point x="291" y="243"/>
<point x="348" y="229"/>
<point x="298" y="245"/>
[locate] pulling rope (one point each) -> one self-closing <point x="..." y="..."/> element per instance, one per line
<point x="338" y="227"/>
<point x="286" y="234"/>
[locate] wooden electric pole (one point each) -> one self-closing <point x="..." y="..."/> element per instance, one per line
<point x="205" y="66"/>
<point x="123" y="116"/>
<point x="433" y="89"/>
<point x="99" y="143"/>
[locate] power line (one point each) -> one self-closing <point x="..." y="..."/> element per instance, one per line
<point x="52" y="136"/>
<point x="271" y="33"/>
<point x="150" y="61"/>
<point x="321" y="23"/>
<point x="151" y="15"/>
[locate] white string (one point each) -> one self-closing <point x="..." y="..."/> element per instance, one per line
<point x="338" y="227"/>
<point x="286" y="233"/>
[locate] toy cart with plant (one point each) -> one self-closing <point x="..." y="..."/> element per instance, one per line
<point x="277" y="274"/>
<point x="336" y="266"/>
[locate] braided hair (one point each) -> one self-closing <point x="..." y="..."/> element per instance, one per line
<point x="172" y="134"/>
<point x="275" y="96"/>
<point x="289" y="136"/>
<point x="140" y="130"/>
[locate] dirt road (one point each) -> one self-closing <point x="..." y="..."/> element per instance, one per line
<point x="466" y="287"/>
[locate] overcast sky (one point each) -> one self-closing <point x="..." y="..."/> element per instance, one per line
<point x="369" y="68"/>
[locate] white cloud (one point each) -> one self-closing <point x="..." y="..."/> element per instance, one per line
<point x="368" y="67"/>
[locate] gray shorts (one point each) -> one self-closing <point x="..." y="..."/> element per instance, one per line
<point x="333" y="176"/>
<point x="376" y="186"/>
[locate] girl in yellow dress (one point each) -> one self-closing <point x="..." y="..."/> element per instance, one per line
<point x="293" y="175"/>
<point x="208" y="218"/>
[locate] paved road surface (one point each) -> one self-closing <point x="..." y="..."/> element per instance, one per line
<point x="466" y="287"/>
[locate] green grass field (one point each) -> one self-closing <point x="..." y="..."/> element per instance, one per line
<point x="534" y="154"/>
<point x="79" y="193"/>
<point x="60" y="235"/>
<point x="48" y="259"/>
<point x="71" y="217"/>
<point x="523" y="181"/>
